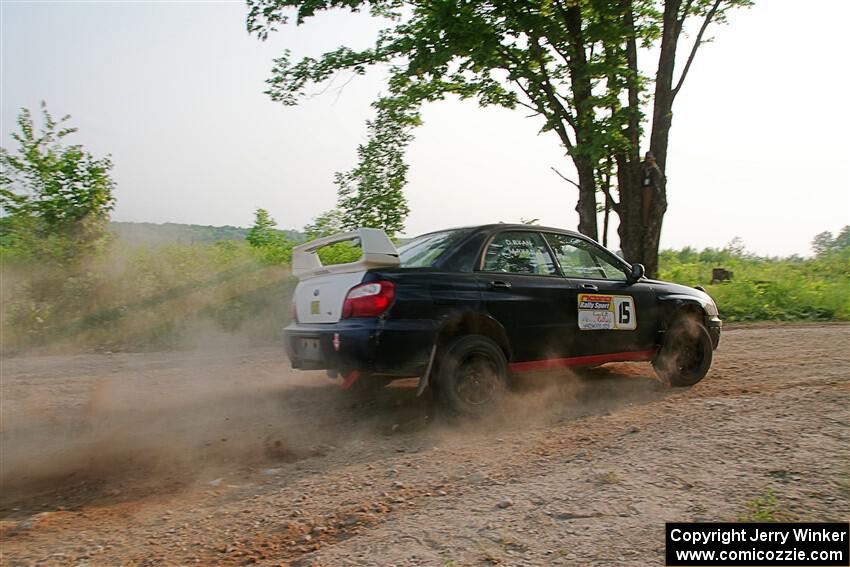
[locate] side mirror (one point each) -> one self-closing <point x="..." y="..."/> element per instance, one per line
<point x="638" y="271"/>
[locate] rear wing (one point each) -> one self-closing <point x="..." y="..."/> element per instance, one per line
<point x="378" y="250"/>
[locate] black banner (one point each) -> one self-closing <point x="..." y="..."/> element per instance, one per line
<point x="807" y="544"/>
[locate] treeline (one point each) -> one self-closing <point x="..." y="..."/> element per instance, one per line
<point x="149" y="233"/>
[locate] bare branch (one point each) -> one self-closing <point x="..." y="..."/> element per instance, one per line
<point x="557" y="107"/>
<point x="536" y="111"/>
<point x="541" y="111"/>
<point x="342" y="88"/>
<point x="565" y="178"/>
<point x="539" y="108"/>
<point x="614" y="204"/>
<point x="697" y="42"/>
<point x="557" y="50"/>
<point x="682" y="19"/>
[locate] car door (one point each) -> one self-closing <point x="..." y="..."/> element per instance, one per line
<point x="523" y="290"/>
<point x="614" y="315"/>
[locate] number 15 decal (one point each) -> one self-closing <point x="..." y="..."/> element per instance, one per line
<point x="624" y="307"/>
<point x="625" y="313"/>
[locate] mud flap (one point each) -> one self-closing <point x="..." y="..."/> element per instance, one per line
<point x="349" y="381"/>
<point x="424" y="380"/>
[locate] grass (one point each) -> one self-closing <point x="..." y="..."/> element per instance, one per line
<point x="609" y="477"/>
<point x="766" y="289"/>
<point x="145" y="298"/>
<point x="764" y="508"/>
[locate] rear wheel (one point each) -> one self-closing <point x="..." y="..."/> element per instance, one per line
<point x="686" y="354"/>
<point x="472" y="376"/>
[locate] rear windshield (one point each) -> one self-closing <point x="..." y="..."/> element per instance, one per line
<point x="423" y="251"/>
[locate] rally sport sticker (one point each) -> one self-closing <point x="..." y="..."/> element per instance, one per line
<point x="606" y="312"/>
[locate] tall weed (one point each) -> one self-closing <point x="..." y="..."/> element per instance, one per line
<point x="766" y="289"/>
<point x="144" y="298"/>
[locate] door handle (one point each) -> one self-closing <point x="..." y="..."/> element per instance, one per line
<point x="500" y="285"/>
<point x="589" y="287"/>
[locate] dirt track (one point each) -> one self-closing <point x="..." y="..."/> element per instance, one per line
<point x="227" y="457"/>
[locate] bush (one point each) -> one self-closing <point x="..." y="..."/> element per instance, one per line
<point x="144" y="298"/>
<point x="772" y="289"/>
<point x="55" y="198"/>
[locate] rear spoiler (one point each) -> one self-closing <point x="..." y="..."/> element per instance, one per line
<point x="378" y="250"/>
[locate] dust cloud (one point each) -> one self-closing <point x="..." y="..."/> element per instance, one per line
<point x="92" y="425"/>
<point x="124" y="426"/>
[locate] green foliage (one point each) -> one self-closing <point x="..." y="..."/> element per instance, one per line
<point x="55" y="198"/>
<point x="778" y="289"/>
<point x="566" y="62"/>
<point x="765" y="508"/>
<point x="327" y="224"/>
<point x="262" y="233"/>
<point x="825" y="245"/>
<point x="170" y="296"/>
<point x="340" y="253"/>
<point x="372" y="193"/>
<point x="270" y="244"/>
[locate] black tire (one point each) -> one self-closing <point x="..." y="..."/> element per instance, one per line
<point x="686" y="354"/>
<point x="471" y="377"/>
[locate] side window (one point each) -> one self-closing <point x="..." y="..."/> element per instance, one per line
<point x="519" y="252"/>
<point x="580" y="259"/>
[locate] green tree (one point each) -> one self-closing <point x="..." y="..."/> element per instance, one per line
<point x="825" y="244"/>
<point x="263" y="232"/>
<point x="326" y="224"/>
<point x="271" y="244"/>
<point x="573" y="63"/>
<point x="55" y="198"/>
<point x="372" y="193"/>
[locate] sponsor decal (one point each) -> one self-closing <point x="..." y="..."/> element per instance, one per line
<point x="599" y="312"/>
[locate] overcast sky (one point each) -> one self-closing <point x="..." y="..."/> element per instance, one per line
<point x="174" y="92"/>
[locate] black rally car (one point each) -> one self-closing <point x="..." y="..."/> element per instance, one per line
<point x="465" y="308"/>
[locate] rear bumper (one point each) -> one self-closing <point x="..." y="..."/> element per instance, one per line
<point x="714" y="325"/>
<point x="387" y="347"/>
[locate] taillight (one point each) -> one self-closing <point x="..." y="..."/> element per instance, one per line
<point x="368" y="300"/>
<point x="293" y="312"/>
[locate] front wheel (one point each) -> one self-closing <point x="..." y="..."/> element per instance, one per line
<point x="472" y="376"/>
<point x="686" y="354"/>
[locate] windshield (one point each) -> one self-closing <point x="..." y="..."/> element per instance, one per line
<point x="424" y="250"/>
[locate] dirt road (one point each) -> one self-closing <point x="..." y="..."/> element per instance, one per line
<point x="226" y="457"/>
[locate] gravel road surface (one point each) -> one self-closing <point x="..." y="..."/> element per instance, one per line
<point x="225" y="456"/>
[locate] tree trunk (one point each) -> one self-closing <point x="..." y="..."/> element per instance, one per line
<point x="662" y="110"/>
<point x="580" y="78"/>
<point x="586" y="206"/>
<point x="630" y="229"/>
<point x="662" y="120"/>
<point x="605" y="222"/>
<point x="640" y="241"/>
<point x="628" y="162"/>
<point x="606" y="189"/>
